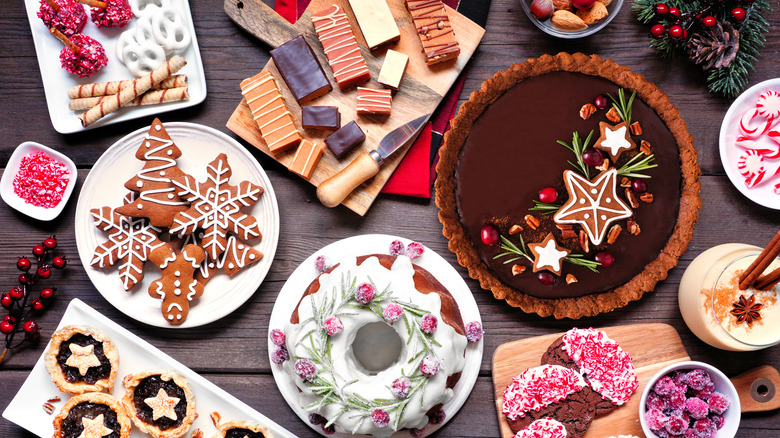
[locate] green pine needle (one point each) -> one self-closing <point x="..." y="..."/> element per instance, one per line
<point x="622" y="106"/>
<point x="579" y="260"/>
<point x="636" y="165"/>
<point x="578" y="147"/>
<point x="545" y="208"/>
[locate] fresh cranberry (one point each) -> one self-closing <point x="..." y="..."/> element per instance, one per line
<point x="592" y="157"/>
<point x="50" y="242"/>
<point x="605" y="258"/>
<point x="674" y="11"/>
<point x="23" y="264"/>
<point x="546" y="278"/>
<point x="548" y="195"/>
<point x="47" y="293"/>
<point x="16" y="293"/>
<point x="59" y="262"/>
<point x="6" y="327"/>
<point x="658" y="31"/>
<point x="600" y="101"/>
<point x="739" y="14"/>
<point x="709" y="21"/>
<point x="44" y="271"/>
<point x="677" y="32"/>
<point x="489" y="234"/>
<point x="38" y="250"/>
<point x="639" y="186"/>
<point x="37" y="305"/>
<point x="6" y="301"/>
<point x="661" y="9"/>
<point x="30" y="326"/>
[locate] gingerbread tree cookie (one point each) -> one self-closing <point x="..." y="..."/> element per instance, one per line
<point x="178" y="285"/>
<point x="157" y="198"/>
<point x="216" y="207"/>
<point x="130" y="241"/>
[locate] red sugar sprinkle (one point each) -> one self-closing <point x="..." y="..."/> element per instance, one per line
<point x="41" y="180"/>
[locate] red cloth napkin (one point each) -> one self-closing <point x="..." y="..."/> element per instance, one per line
<point x="415" y="175"/>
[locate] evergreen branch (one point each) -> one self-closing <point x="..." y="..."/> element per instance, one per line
<point x="634" y="168"/>
<point x="579" y="260"/>
<point x="578" y="147"/>
<point x="511" y="248"/>
<point x="622" y="106"/>
<point x="545" y="208"/>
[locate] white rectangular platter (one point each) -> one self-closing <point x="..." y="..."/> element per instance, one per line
<point x="135" y="355"/>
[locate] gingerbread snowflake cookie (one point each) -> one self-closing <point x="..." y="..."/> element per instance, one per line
<point x="178" y="286"/>
<point x="237" y="256"/>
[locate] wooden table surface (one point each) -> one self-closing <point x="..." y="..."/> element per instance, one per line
<point x="232" y="352"/>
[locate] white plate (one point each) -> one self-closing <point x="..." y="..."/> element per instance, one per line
<point x="763" y="193"/>
<point x="135" y="355"/>
<point x="104" y="186"/>
<point x="56" y="80"/>
<point x="292" y="290"/>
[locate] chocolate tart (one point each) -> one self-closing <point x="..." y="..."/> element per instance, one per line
<point x="81" y="359"/>
<point x="501" y="150"/>
<point x="96" y="412"/>
<point x="142" y="393"/>
<point x="241" y="429"/>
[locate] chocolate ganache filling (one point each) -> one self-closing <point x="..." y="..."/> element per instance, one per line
<point x="72" y="425"/>
<point x="237" y="432"/>
<point x="93" y="374"/>
<point x="512" y="153"/>
<point x="149" y="388"/>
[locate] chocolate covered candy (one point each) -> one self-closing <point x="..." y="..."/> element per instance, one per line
<point x="320" y="117"/>
<point x="346" y="138"/>
<point x="301" y="70"/>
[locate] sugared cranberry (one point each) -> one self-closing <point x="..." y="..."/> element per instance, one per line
<point x="674" y="11"/>
<point x="400" y="387"/>
<point x="305" y="369"/>
<point x="16" y="293"/>
<point x="365" y="293"/>
<point x="277" y="337"/>
<point x="718" y="403"/>
<point x="333" y="326"/>
<point x="600" y="101"/>
<point x="430" y="366"/>
<point x="59" y="262"/>
<point x="489" y="234"/>
<point x="50" y="242"/>
<point x="37" y="305"/>
<point x="44" y="271"/>
<point x="739" y="14"/>
<point x="548" y="195"/>
<point x="279" y="355"/>
<point x="380" y="418"/>
<point x="661" y="9"/>
<point x="317" y="419"/>
<point x="429" y="323"/>
<point x="330" y="430"/>
<point x="6" y="301"/>
<point x="709" y="21"/>
<point x="6" y="327"/>
<point x="658" y="31"/>
<point x="397" y="248"/>
<point x="38" y="250"/>
<point x="25" y="278"/>
<point x="546" y="278"/>
<point x="592" y="157"/>
<point x="47" y="293"/>
<point x="474" y="331"/>
<point x="415" y="250"/>
<point x="437" y="417"/>
<point x="698" y="379"/>
<point x="321" y="264"/>
<point x="417" y="433"/>
<point x="605" y="258"/>
<point x="392" y="312"/>
<point x="639" y="186"/>
<point x="30" y="326"/>
<point x="23" y="264"/>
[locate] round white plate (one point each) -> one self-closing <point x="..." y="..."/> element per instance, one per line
<point x="293" y="289"/>
<point x="763" y="193"/>
<point x="104" y="186"/>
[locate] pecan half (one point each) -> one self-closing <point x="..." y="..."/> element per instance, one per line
<point x="570" y="279"/>
<point x="632" y="198"/>
<point x="564" y="226"/>
<point x="568" y="234"/>
<point x="646" y="197"/>
<point x="518" y="269"/>
<point x="514" y="229"/>
<point x="584" y="242"/>
<point x="604" y="166"/>
<point x="48" y="408"/>
<point x="215" y="418"/>
<point x="614" y="232"/>
<point x="612" y="115"/>
<point x="625" y="182"/>
<point x="531" y="221"/>
<point x="633" y="228"/>
<point x="644" y="147"/>
<point x="587" y="110"/>
<point x="635" y="128"/>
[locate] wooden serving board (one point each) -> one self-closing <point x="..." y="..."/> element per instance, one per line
<point x="651" y="346"/>
<point x="422" y="87"/>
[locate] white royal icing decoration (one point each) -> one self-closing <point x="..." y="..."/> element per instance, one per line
<point x="615" y="140"/>
<point x="549" y="255"/>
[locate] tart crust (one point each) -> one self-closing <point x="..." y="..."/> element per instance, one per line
<point x="587" y="305"/>
<point x="55" y="371"/>
<point x="131" y="382"/>
<point x="254" y="427"/>
<point x="94" y="397"/>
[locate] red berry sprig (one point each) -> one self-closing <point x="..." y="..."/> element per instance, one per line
<point x="18" y="301"/>
<point x="671" y="22"/>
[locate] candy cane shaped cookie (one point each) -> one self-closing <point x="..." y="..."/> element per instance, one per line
<point x="178" y="285"/>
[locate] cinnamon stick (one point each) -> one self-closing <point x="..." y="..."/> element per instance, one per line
<point x="61" y="36"/>
<point x="151" y="97"/>
<point x="94" y="3"/>
<point x="759" y="265"/>
<point x="767" y="281"/>
<point x="133" y="89"/>
<point x="109" y="88"/>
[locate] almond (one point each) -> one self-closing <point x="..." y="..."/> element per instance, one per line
<point x="593" y="15"/>
<point x="567" y="21"/>
<point x="514" y="229"/>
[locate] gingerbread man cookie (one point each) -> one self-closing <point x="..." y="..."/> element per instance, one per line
<point x="178" y="285"/>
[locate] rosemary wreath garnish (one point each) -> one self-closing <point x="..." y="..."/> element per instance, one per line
<point x="512" y="249"/>
<point x="545" y="207"/>
<point x="633" y="168"/>
<point x="578" y="147"/>
<point x="622" y="106"/>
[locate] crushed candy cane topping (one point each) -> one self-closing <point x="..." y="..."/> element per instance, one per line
<point x="41" y="180"/>
<point x="608" y="368"/>
<point x="543" y="428"/>
<point x="538" y="387"/>
<point x="768" y="104"/>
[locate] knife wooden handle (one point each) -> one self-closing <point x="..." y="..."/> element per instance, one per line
<point x="335" y="189"/>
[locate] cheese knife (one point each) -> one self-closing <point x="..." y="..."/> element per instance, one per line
<point x="335" y="189"/>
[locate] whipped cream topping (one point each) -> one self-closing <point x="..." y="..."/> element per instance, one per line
<point x="538" y="387"/>
<point x="608" y="367"/>
<point x="543" y="428"/>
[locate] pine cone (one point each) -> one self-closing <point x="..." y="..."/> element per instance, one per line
<point x="715" y="47"/>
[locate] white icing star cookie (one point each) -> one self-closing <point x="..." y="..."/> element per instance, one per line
<point x="614" y="139"/>
<point x="548" y="255"/>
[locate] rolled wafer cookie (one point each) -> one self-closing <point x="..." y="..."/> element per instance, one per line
<point x="133" y="89"/>
<point x="109" y="88"/>
<point x="151" y="97"/>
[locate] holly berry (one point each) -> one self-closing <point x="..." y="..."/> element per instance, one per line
<point x="6" y="301"/>
<point x="489" y="234"/>
<point x="661" y="9"/>
<point x="605" y="258"/>
<point x="9" y="319"/>
<point x="44" y="271"/>
<point x="709" y="21"/>
<point x="37" y="305"/>
<point x="6" y="327"/>
<point x="677" y="32"/>
<point x="32" y="336"/>
<point x="47" y="293"/>
<point x="30" y="326"/>
<point x="592" y="157"/>
<point x="658" y="31"/>
<point x="546" y="278"/>
<point x="16" y="293"/>
<point x="600" y="101"/>
<point x="38" y="250"/>
<point x="639" y="186"/>
<point x="548" y="195"/>
<point x="59" y="262"/>
<point x="50" y="242"/>
<point x="23" y="264"/>
<point x="674" y="12"/>
<point x="739" y="14"/>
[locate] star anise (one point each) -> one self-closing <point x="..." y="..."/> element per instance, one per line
<point x="747" y="309"/>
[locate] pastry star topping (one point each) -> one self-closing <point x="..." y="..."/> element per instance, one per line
<point x="82" y="358"/>
<point x="592" y="204"/>
<point x="162" y="405"/>
<point x="548" y="255"/>
<point x="614" y="139"/>
<point x="94" y="427"/>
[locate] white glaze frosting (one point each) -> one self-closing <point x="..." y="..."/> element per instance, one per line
<point x="399" y="281"/>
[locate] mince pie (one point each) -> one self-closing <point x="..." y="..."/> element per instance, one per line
<point x="242" y="429"/>
<point x="92" y="415"/>
<point x="160" y="402"/>
<point x="82" y="359"/>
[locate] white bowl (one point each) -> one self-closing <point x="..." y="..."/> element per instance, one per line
<point x="19" y="204"/>
<point x="722" y="385"/>
<point x="762" y="193"/>
<point x="548" y="28"/>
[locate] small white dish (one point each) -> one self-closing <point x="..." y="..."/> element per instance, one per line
<point x="19" y="204"/>
<point x="763" y="193"/>
<point x="722" y="385"/>
<point x="547" y="27"/>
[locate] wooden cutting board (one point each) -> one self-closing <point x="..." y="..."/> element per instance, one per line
<point x="651" y="346"/>
<point x="422" y="87"/>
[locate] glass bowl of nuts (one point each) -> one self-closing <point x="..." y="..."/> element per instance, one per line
<point x="571" y="19"/>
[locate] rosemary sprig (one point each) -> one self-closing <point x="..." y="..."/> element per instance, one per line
<point x="510" y="249"/>
<point x="633" y="168"/>
<point x="578" y="259"/>
<point x="545" y="207"/>
<point x="622" y="106"/>
<point x="578" y="147"/>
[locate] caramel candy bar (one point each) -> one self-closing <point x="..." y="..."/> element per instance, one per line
<point x="320" y="117"/>
<point x="375" y="21"/>
<point x="393" y="69"/>
<point x="433" y="27"/>
<point x="301" y="70"/>
<point x="270" y="112"/>
<point x="346" y="138"/>
<point x="340" y="46"/>
<point x="306" y="159"/>
<point x="371" y="101"/>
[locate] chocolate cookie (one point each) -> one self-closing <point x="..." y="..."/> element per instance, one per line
<point x="576" y="412"/>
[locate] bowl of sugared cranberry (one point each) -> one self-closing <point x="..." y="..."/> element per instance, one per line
<point x="691" y="400"/>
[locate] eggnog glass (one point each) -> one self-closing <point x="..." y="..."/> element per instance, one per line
<point x="710" y="287"/>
